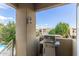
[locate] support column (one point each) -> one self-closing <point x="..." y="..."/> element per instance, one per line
<point x="25" y="32"/>
<point x="77" y="29"/>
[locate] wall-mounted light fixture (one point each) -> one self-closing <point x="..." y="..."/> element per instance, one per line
<point x="29" y="20"/>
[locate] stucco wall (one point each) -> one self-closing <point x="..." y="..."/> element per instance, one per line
<point x="25" y="32"/>
<point x="74" y="47"/>
<point x="31" y="32"/>
<point x="77" y="29"/>
<point x="65" y="48"/>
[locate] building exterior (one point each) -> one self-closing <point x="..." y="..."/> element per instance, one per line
<point x="42" y="31"/>
<point x="45" y="31"/>
<point x="73" y="32"/>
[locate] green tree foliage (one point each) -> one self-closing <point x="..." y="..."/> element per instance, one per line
<point x="61" y="29"/>
<point x="8" y="32"/>
<point x="1" y="27"/>
<point x="52" y="31"/>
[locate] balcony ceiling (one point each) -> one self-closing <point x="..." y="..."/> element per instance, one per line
<point x="38" y="6"/>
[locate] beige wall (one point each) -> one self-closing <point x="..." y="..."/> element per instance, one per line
<point x="65" y="48"/>
<point x="25" y="33"/>
<point x="74" y="47"/>
<point x="21" y="33"/>
<point x="68" y="47"/>
<point x="31" y="32"/>
<point x="77" y="29"/>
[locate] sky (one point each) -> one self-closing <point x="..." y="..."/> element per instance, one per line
<point x="7" y="13"/>
<point x="47" y="18"/>
<point x="51" y="17"/>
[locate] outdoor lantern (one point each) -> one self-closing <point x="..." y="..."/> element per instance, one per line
<point x="29" y="20"/>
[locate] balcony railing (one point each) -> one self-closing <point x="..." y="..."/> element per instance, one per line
<point x="9" y="50"/>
